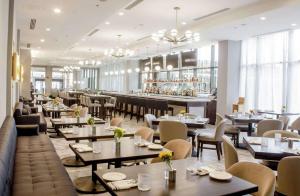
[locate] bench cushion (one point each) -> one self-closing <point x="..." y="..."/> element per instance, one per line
<point x="40" y="143"/>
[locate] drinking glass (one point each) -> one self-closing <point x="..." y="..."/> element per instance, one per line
<point x="264" y="142"/>
<point x="137" y="139"/>
<point x="277" y="137"/>
<point x="144" y="182"/>
<point x="96" y="147"/>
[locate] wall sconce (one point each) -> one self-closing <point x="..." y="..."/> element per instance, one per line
<point x="16" y="68"/>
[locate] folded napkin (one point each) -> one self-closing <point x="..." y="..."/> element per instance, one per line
<point x="122" y="184"/>
<point x="202" y="171"/>
<point x="67" y="131"/>
<point x="111" y="128"/>
<point x="82" y="148"/>
<point x="254" y="142"/>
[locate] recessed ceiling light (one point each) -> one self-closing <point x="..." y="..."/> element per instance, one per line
<point x="57" y="10"/>
<point x="107" y="23"/>
<point x="42" y="40"/>
<point x="293" y="24"/>
<point x="121" y="13"/>
<point x="183" y="23"/>
<point x="48" y="29"/>
<point x="263" y="18"/>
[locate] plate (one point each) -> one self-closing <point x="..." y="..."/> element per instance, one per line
<point x="155" y="147"/>
<point x="220" y="175"/>
<point x="113" y="176"/>
<point x="111" y="128"/>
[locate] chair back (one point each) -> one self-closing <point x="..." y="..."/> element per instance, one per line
<point x="271" y="134"/>
<point x="288" y="176"/>
<point x="117" y="122"/>
<point x="113" y="101"/>
<point x="181" y="149"/>
<point x="219" y="118"/>
<point x="285" y="120"/>
<point x="84" y="112"/>
<point x="220" y="130"/>
<point x="296" y="124"/>
<point x="149" y="118"/>
<point x="146" y="133"/>
<point x="170" y="130"/>
<point x="257" y="174"/>
<point x="230" y="153"/>
<point x="268" y="125"/>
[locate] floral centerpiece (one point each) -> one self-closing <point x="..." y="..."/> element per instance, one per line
<point x="118" y="134"/>
<point x="170" y="172"/>
<point x="182" y="112"/>
<point x="55" y="102"/>
<point x="91" y="122"/>
<point x="77" y="114"/>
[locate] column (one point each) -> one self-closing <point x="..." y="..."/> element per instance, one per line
<point x="48" y="80"/>
<point x="228" y="75"/>
<point x="25" y="61"/>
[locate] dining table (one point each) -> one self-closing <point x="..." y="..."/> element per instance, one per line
<point x="270" y="148"/>
<point x="278" y="113"/>
<point x="55" y="111"/>
<point x="109" y="153"/>
<point x="78" y="134"/>
<point x="191" y="122"/>
<point x="186" y="182"/>
<point x="70" y="121"/>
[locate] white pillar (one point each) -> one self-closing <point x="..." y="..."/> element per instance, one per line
<point x="228" y="75"/>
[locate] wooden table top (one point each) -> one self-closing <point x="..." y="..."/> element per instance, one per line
<point x="186" y="184"/>
<point x="128" y="151"/>
<point x="190" y="122"/>
<point x="73" y="121"/>
<point x="274" y="150"/>
<point x="83" y="133"/>
<point x="63" y="108"/>
<point x="278" y="113"/>
<point x="244" y="118"/>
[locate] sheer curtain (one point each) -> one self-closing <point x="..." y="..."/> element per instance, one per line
<point x="270" y="71"/>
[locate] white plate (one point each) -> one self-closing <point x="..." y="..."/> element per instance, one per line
<point x="111" y="128"/>
<point x="113" y="176"/>
<point x="155" y="147"/>
<point x="220" y="175"/>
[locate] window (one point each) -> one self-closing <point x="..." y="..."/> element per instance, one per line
<point x="270" y="71"/>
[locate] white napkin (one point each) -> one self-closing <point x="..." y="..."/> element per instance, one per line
<point x="82" y="148"/>
<point x="67" y="131"/>
<point x="122" y="184"/>
<point x="201" y="171"/>
<point x="253" y="141"/>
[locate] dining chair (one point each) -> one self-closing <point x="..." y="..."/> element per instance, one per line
<point x="212" y="139"/>
<point x="148" y="121"/>
<point x="268" y="125"/>
<point x="288" y="176"/>
<point x="285" y="120"/>
<point x="230" y="129"/>
<point x="257" y="174"/>
<point x="117" y="122"/>
<point x="271" y="134"/>
<point x="170" y="130"/>
<point x="295" y="126"/>
<point x="145" y="133"/>
<point x="110" y="107"/>
<point x="84" y="112"/>
<point x="181" y="150"/>
<point x="230" y="153"/>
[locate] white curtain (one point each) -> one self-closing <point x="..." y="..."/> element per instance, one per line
<point x="270" y="71"/>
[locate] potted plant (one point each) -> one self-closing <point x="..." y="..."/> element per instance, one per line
<point x="170" y="174"/>
<point x="91" y="122"/>
<point x="118" y="134"/>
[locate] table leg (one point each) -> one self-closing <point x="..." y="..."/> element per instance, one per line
<point x="118" y="164"/>
<point x="249" y="129"/>
<point x="89" y="184"/>
<point x="55" y="135"/>
<point x="72" y="161"/>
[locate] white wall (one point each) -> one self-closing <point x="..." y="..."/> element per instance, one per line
<point x="3" y="56"/>
<point x="228" y="75"/>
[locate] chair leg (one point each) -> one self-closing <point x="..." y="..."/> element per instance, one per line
<point x="201" y="147"/>
<point x="198" y="148"/>
<point x="218" y="151"/>
<point x="220" y="148"/>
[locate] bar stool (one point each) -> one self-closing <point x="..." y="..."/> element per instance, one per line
<point x="110" y="107"/>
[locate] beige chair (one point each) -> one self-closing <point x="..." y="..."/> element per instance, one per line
<point x="72" y="107"/>
<point x="268" y="125"/>
<point x="148" y="121"/>
<point x="288" y="176"/>
<point x="181" y="149"/>
<point x="283" y="133"/>
<point x="117" y="122"/>
<point x="84" y="112"/>
<point x="230" y="130"/>
<point x="145" y="133"/>
<point x="285" y="120"/>
<point x="256" y="174"/>
<point x="170" y="130"/>
<point x="295" y="126"/>
<point x="230" y="153"/>
<point x="212" y="139"/>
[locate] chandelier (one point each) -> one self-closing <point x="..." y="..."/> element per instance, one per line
<point x="119" y="52"/>
<point x="173" y="36"/>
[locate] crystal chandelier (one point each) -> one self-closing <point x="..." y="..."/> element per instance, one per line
<point x="118" y="51"/>
<point x="173" y="36"/>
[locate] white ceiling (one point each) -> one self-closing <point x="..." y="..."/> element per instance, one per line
<point x="79" y="17"/>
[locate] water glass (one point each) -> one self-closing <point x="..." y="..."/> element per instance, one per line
<point x="137" y="139"/>
<point x="264" y="142"/>
<point x="144" y="182"/>
<point x="277" y="137"/>
<point x="96" y="147"/>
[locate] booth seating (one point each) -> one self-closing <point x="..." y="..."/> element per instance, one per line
<point x="29" y="165"/>
<point x="29" y="117"/>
